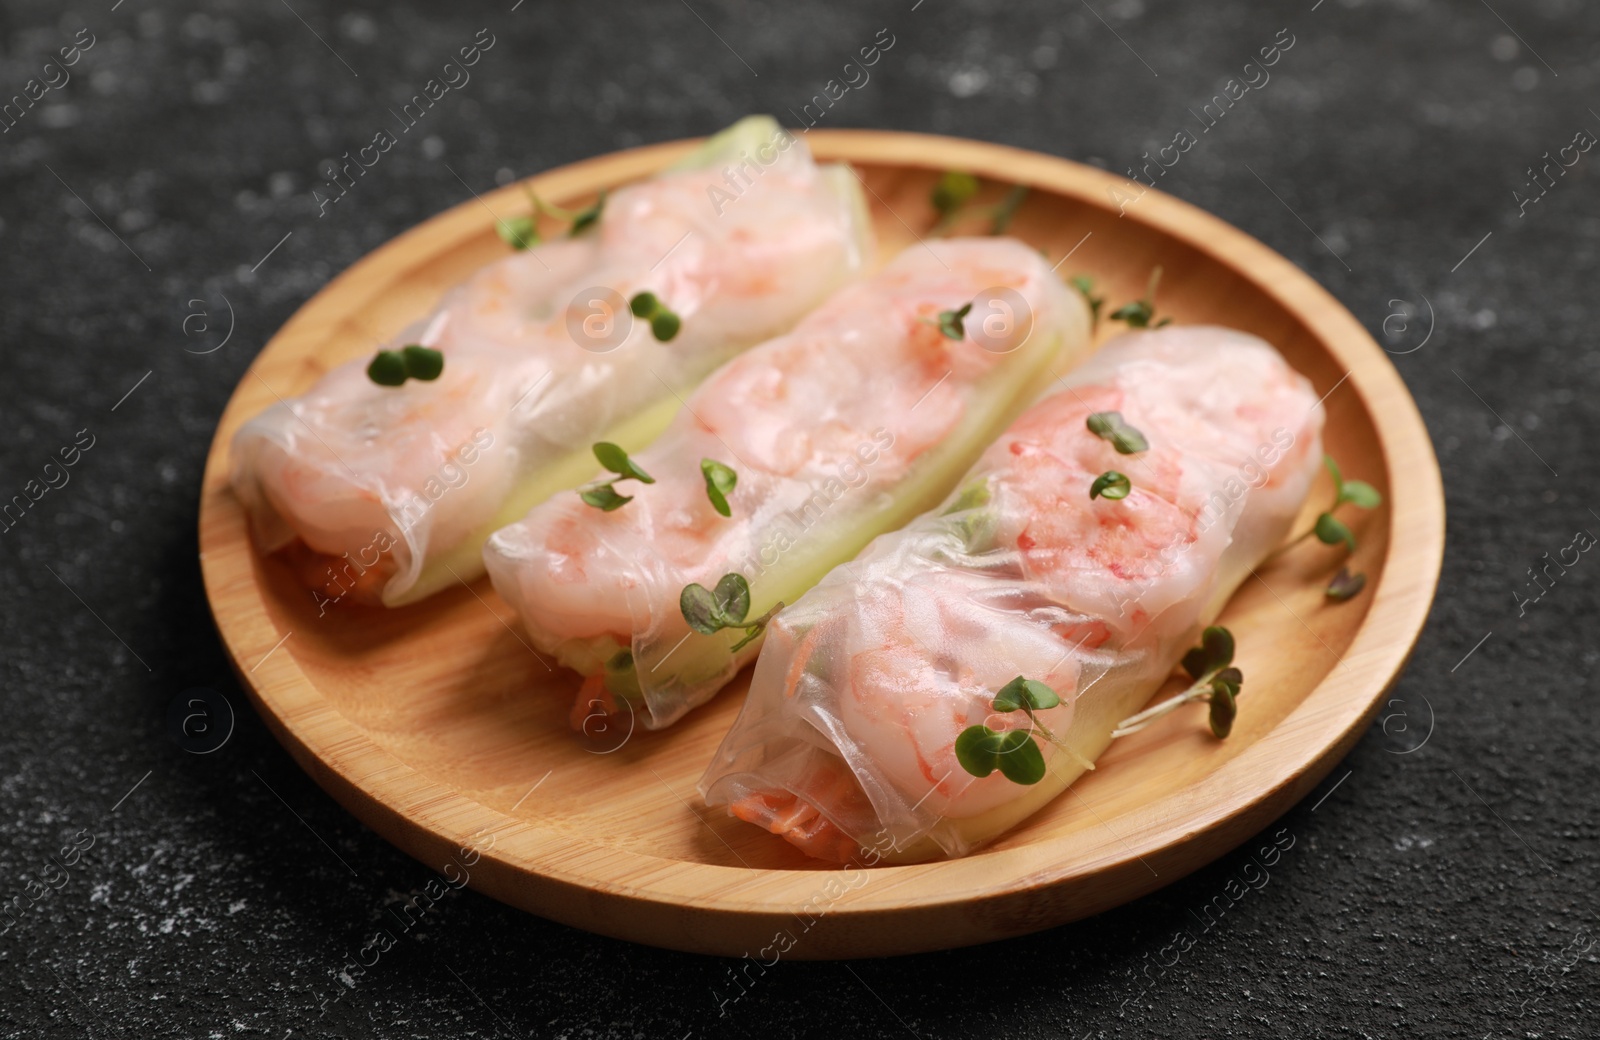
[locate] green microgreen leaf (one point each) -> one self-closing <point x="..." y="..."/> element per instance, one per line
<point x="733" y="597"/>
<point x="1357" y="492"/>
<point x="710" y="611"/>
<point x="720" y="482"/>
<point x="664" y="324"/>
<point x="1333" y="470"/>
<point x="421" y="362"/>
<point x="388" y="368"/>
<point x="414" y="361"/>
<point x="975" y="750"/>
<point x="1218" y="644"/>
<point x="1026" y="694"/>
<point x="952" y="191"/>
<point x="1214" y="653"/>
<point x="603" y="496"/>
<point x="519" y="232"/>
<point x="1110" y="484"/>
<point x="699" y="607"/>
<point x="1020" y="759"/>
<point x="584" y="219"/>
<point x="1110" y="426"/>
<point x="1085" y="285"/>
<point x="1224" y="708"/>
<point x="1330" y="530"/>
<point x="980" y="751"/>
<point x="613" y="458"/>
<point x="1345" y="585"/>
<point x="1360" y="494"/>
<point x="952" y="323"/>
<point x="1139" y="313"/>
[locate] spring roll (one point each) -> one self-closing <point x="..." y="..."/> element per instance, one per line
<point x="388" y="492"/>
<point x="848" y="736"/>
<point x="862" y="417"/>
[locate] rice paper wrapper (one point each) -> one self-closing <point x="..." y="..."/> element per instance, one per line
<point x="847" y="739"/>
<point x="394" y="489"/>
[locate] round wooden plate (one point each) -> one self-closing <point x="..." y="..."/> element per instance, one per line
<point x="437" y="727"/>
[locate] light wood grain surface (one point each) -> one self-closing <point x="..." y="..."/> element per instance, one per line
<point x="436" y="726"/>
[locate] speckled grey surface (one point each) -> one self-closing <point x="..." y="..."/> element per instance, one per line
<point x="1449" y="891"/>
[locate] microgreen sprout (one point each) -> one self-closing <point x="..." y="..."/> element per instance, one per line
<point x="602" y="494"/>
<point x="1110" y="426"/>
<point x="521" y="232"/>
<point x="709" y="611"/>
<point x="955" y="189"/>
<point x="664" y="324"/>
<point x="1210" y="665"/>
<point x="952" y="323"/>
<point x="1330" y="530"/>
<point x="1085" y="285"/>
<point x="414" y="361"/>
<point x="1138" y="313"/>
<point x="1110" y="484"/>
<point x="720" y="482"/>
<point x="981" y="750"/>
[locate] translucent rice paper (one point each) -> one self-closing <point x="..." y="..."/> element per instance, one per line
<point x="847" y="738"/>
<point x="394" y="489"/>
<point x="863" y="416"/>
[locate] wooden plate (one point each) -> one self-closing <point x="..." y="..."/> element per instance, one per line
<point x="437" y="728"/>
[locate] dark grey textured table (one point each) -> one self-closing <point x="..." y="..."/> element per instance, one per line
<point x="166" y="176"/>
